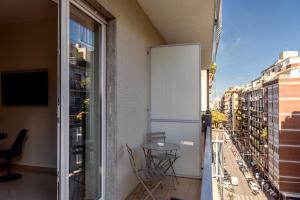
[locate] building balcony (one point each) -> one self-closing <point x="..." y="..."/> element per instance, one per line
<point x="188" y="188"/>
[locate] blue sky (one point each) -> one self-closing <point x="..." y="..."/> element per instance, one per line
<point x="254" y="33"/>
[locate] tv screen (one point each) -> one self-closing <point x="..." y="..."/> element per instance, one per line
<point x="24" y="89"/>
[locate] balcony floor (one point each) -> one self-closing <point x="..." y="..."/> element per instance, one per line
<point x="187" y="189"/>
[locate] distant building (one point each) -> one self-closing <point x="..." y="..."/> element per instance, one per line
<point x="226" y="100"/>
<point x="229" y="106"/>
<point x="217" y="104"/>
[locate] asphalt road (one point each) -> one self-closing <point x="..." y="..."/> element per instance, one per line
<point x="242" y="191"/>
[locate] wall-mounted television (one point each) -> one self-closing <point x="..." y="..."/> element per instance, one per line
<point x="24" y="88"/>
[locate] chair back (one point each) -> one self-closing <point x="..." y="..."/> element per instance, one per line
<point x="16" y="148"/>
<point x="156" y="137"/>
<point x="132" y="159"/>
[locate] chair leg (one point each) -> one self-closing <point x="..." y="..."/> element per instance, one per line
<point x="174" y="174"/>
<point x="150" y="192"/>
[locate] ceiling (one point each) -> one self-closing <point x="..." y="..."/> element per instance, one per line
<point x="184" y="21"/>
<point x="16" y="11"/>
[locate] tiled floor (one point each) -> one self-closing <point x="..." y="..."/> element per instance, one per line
<point x="187" y="189"/>
<point x="32" y="186"/>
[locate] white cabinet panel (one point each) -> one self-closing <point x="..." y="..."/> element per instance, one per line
<point x="176" y="100"/>
<point x="175" y="82"/>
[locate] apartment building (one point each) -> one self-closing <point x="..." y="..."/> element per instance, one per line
<point x="269" y="127"/>
<point x="283" y="93"/>
<point x="225" y="101"/>
<point x="233" y="112"/>
<point x="229" y="106"/>
<point x="216" y="105"/>
<point x="257" y="138"/>
<point x="243" y="110"/>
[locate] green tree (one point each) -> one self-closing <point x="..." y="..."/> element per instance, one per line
<point x="230" y="196"/>
<point x="264" y="132"/>
<point x="218" y="118"/>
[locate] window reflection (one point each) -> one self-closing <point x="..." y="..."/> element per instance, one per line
<point x="85" y="118"/>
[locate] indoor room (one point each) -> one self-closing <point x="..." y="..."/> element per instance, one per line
<point x="28" y="99"/>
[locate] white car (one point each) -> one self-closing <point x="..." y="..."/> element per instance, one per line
<point x="234" y="180"/>
<point x="253" y="186"/>
<point x="248" y="176"/>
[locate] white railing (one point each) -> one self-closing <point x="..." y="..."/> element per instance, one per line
<point x="206" y="186"/>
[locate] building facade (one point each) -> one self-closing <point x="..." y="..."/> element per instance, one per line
<point x="283" y="107"/>
<point x="269" y="124"/>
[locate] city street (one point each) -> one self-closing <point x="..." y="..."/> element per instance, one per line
<point x="242" y="191"/>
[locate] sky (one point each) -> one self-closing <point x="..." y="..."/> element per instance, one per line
<point x="254" y="33"/>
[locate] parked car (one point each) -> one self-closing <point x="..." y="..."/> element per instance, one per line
<point x="253" y="186"/>
<point x="228" y="177"/>
<point x="226" y="173"/>
<point x="229" y="188"/>
<point x="234" y="181"/>
<point x="245" y="170"/>
<point x="242" y="168"/>
<point x="240" y="163"/>
<point x="248" y="176"/>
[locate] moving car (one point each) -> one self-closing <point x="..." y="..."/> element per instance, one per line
<point x="234" y="180"/>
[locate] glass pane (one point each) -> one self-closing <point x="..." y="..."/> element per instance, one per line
<point x="85" y="119"/>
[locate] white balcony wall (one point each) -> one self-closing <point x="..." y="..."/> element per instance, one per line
<point x="135" y="34"/>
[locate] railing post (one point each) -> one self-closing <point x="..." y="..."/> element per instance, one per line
<point x="208" y="119"/>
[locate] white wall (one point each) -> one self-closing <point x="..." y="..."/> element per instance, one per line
<point x="30" y="46"/>
<point x="135" y="34"/>
<point x="175" y="97"/>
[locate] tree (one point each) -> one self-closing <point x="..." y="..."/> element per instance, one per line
<point x="264" y="132"/>
<point x="230" y="196"/>
<point x="218" y="118"/>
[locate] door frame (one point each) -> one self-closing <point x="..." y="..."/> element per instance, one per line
<point x="63" y="99"/>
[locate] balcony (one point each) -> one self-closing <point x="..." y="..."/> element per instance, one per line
<point x="189" y="188"/>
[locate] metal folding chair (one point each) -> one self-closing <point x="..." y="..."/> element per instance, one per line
<point x="146" y="175"/>
<point x="156" y="136"/>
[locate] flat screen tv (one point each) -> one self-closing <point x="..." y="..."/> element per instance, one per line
<point x="24" y="89"/>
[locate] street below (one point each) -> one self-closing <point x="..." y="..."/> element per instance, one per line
<point x="242" y="191"/>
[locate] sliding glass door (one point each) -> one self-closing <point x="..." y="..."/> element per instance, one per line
<point x="82" y="108"/>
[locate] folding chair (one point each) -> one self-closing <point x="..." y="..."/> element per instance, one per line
<point x="156" y="136"/>
<point x="146" y="175"/>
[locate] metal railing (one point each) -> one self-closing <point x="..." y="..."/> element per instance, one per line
<point x="206" y="186"/>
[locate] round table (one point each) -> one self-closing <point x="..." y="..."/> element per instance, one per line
<point x="165" y="147"/>
<point x="148" y="147"/>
